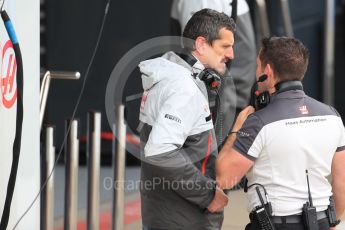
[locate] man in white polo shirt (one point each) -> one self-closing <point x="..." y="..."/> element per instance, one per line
<point x="277" y="144"/>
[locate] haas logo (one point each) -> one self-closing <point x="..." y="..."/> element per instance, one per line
<point x="303" y="109"/>
<point x="8" y="85"/>
<point x="143" y="100"/>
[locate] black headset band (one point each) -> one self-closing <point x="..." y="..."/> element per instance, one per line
<point x="288" y="85"/>
<point x="189" y="58"/>
<point x="209" y="76"/>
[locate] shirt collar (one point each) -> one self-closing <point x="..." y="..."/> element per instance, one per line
<point x="198" y="66"/>
<point x="290" y="94"/>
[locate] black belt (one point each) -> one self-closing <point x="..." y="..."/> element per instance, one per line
<point x="295" y="219"/>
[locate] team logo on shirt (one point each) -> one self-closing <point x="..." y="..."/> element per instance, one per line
<point x="303" y="109"/>
<point x="206" y="109"/>
<point x="243" y="134"/>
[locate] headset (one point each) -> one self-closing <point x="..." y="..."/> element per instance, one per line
<point x="209" y="76"/>
<point x="260" y="100"/>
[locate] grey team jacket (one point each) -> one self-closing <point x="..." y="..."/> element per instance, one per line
<point x="178" y="147"/>
<point x="236" y="83"/>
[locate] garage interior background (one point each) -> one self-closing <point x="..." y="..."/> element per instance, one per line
<point x="69" y="30"/>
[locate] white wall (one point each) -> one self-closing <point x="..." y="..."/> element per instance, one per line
<point x="25" y="17"/>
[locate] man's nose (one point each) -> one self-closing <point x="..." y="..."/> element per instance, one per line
<point x="230" y="54"/>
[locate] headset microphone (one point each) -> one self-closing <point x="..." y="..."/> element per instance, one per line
<point x="262" y="78"/>
<point x="259" y="100"/>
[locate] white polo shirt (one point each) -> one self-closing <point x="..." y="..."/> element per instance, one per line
<point x="292" y="134"/>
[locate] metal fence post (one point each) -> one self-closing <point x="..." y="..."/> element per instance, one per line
<point x="287" y="18"/>
<point x="119" y="161"/>
<point x="48" y="195"/>
<point x="46" y="84"/>
<point x="329" y="44"/>
<point x="93" y="153"/>
<point x="262" y="17"/>
<point x="71" y="186"/>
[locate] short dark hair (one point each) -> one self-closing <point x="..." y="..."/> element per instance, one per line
<point x="207" y="23"/>
<point x="288" y="57"/>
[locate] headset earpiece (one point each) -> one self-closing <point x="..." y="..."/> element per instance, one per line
<point x="259" y="100"/>
<point x="262" y="100"/>
<point x="211" y="79"/>
<point x="209" y="76"/>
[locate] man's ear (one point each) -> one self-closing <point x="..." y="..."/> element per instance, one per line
<point x="270" y="75"/>
<point x="268" y="70"/>
<point x="200" y="45"/>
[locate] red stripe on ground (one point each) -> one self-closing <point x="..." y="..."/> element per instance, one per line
<point x="132" y="214"/>
<point x="108" y="136"/>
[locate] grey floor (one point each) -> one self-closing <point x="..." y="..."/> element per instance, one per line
<point x="235" y="217"/>
<point x="105" y="187"/>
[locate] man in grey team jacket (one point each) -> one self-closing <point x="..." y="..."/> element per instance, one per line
<point x="238" y="80"/>
<point x="178" y="144"/>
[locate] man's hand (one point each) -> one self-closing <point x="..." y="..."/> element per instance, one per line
<point x="242" y="116"/>
<point x="219" y="201"/>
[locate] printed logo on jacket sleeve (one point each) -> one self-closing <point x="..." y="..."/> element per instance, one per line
<point x="173" y="118"/>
